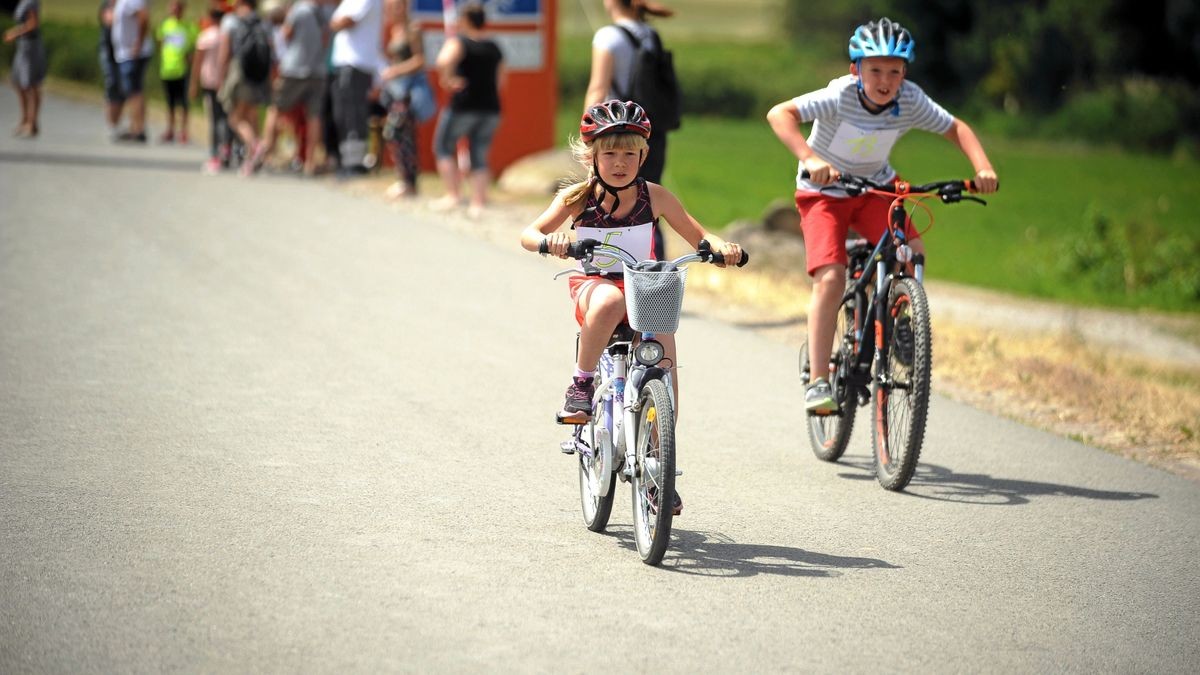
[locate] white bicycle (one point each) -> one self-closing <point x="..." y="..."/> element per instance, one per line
<point x="630" y="434"/>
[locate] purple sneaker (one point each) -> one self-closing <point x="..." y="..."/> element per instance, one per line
<point x="579" y="395"/>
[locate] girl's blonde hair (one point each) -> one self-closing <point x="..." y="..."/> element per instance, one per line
<point x="585" y="154"/>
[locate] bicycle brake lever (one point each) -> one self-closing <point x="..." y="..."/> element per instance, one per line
<point x="973" y="199"/>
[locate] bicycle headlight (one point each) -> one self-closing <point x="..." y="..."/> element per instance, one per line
<point x="649" y="353"/>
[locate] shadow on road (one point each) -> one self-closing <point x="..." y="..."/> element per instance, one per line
<point x="107" y="162"/>
<point x="713" y="554"/>
<point x="941" y="483"/>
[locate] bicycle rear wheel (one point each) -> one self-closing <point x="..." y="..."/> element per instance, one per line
<point x="900" y="394"/>
<point x="654" y="472"/>
<point x="829" y="433"/>
<point x="597" y="467"/>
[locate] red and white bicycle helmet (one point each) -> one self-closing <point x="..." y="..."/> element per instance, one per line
<point x="614" y="117"/>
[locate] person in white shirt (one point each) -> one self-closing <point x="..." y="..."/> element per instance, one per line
<point x="357" y="27"/>
<point x="133" y="45"/>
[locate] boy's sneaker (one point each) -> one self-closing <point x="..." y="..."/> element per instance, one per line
<point x="212" y="166"/>
<point x="819" y="397"/>
<point x="579" y="395"/>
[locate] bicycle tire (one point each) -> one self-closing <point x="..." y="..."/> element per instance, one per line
<point x="829" y="435"/>
<point x="653" y="483"/>
<point x="900" y="399"/>
<point x="597" y="507"/>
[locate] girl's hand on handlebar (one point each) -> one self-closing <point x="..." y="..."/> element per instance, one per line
<point x="819" y="171"/>
<point x="557" y="243"/>
<point x="986" y="181"/>
<point x="732" y="253"/>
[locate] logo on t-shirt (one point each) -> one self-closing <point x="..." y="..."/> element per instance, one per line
<point x="863" y="146"/>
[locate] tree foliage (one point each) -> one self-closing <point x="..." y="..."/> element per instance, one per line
<point x="1044" y="57"/>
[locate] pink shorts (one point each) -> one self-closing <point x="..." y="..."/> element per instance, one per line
<point x="580" y="284"/>
<point x="825" y="220"/>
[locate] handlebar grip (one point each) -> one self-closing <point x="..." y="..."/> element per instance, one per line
<point x="718" y="258"/>
<point x="971" y="187"/>
<point x="577" y="249"/>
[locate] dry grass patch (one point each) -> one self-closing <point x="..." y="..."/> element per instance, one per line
<point x="1132" y="406"/>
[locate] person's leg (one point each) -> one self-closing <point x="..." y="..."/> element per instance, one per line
<point x="829" y="284"/>
<point x="183" y="110"/>
<point x="313" y="124"/>
<point x="599" y="307"/>
<point x="445" y="142"/>
<point x="400" y="132"/>
<point x="35" y="95"/>
<point x="480" y="142"/>
<point x="25" y="125"/>
<point x="169" y="93"/>
<point x="824" y="221"/>
<point x="602" y="306"/>
<point x="351" y="112"/>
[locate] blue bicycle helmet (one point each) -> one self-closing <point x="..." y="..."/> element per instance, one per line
<point x="881" y="38"/>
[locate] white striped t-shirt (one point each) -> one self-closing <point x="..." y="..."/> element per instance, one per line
<point x="855" y="141"/>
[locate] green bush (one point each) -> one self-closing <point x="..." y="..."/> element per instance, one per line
<point x="734" y="80"/>
<point x="1140" y="113"/>
<point x="1134" y="259"/>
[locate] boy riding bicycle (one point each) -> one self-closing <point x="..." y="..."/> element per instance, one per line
<point x="856" y="120"/>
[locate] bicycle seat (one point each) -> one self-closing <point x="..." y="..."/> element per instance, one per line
<point x="623" y="333"/>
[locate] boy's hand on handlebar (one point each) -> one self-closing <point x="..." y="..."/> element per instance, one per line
<point x="819" y="171"/>
<point x="556" y="244"/>
<point x="986" y="182"/>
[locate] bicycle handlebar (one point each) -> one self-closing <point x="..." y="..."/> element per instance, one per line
<point x="949" y="191"/>
<point x="585" y="248"/>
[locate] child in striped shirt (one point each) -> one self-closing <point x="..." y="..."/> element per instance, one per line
<point x="856" y="120"/>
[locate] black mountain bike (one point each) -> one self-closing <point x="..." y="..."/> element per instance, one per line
<point x="882" y="352"/>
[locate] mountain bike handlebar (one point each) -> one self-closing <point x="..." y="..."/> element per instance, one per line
<point x="585" y="248"/>
<point x="949" y="191"/>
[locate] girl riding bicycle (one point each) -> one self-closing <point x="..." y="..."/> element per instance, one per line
<point x="615" y="207"/>
<point x="856" y="120"/>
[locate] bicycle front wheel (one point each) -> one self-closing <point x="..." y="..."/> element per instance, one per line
<point x="829" y="433"/>
<point x="597" y="468"/>
<point x="654" y="472"/>
<point x="900" y="394"/>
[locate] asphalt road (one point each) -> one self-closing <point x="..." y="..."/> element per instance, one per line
<point x="271" y="426"/>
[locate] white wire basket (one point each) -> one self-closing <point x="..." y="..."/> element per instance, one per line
<point x="654" y="300"/>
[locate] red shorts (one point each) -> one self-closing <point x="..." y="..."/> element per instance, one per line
<point x="580" y="284"/>
<point x="825" y="221"/>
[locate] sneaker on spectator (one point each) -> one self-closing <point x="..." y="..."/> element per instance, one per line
<point x="212" y="166"/>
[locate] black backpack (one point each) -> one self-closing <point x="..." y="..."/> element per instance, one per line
<point x="653" y="84"/>
<point x="253" y="51"/>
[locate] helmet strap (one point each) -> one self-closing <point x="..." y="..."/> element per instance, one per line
<point x="612" y="189"/>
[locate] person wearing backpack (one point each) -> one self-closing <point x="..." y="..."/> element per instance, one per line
<point x="629" y="63"/>
<point x="246" y="58"/>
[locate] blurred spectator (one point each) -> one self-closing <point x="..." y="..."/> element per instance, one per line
<point x="470" y="67"/>
<point x="357" y="28"/>
<point x="301" y="82"/>
<point x="29" y="65"/>
<point x="132" y="48"/>
<point x="177" y="39"/>
<point x="246" y="73"/>
<point x="407" y="96"/>
<point x="206" y="78"/>
<point x="114" y="96"/>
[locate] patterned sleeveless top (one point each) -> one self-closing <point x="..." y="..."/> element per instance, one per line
<point x="634" y="232"/>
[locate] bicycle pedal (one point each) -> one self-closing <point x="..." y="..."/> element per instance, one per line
<point x="574" y="419"/>
<point x="567" y="447"/>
